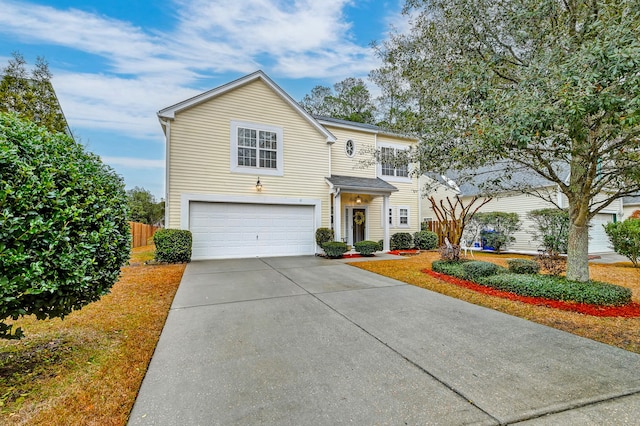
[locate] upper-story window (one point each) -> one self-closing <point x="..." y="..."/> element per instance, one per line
<point x="389" y="166"/>
<point x="256" y="148"/>
<point x="350" y="148"/>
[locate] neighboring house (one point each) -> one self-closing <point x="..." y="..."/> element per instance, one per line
<point x="515" y="202"/>
<point x="630" y="205"/>
<point x="250" y="173"/>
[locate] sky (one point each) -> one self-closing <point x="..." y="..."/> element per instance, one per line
<point x="115" y="63"/>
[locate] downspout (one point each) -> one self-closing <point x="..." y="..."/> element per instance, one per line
<point x="332" y="203"/>
<point x="419" y="203"/>
<point x="167" y="136"/>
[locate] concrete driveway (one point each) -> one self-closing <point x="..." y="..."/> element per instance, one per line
<point x="310" y="341"/>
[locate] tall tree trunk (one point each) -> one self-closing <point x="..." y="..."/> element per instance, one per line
<point x="578" y="253"/>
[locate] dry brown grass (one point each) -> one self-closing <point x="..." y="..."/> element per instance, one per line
<point x="87" y="368"/>
<point x="621" y="332"/>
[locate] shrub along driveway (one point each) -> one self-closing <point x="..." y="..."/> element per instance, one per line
<point x="312" y="341"/>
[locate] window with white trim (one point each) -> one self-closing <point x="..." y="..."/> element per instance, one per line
<point x="388" y="168"/>
<point x="256" y="148"/>
<point x="350" y="148"/>
<point x="398" y="217"/>
<point x="403" y="216"/>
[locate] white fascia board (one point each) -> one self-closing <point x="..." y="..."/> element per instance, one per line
<point x="170" y="112"/>
<point x="357" y="128"/>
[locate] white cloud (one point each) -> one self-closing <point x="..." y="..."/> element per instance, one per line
<point x="147" y="70"/>
<point x="127" y="106"/>
<point x="133" y="163"/>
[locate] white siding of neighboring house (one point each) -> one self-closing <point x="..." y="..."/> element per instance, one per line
<point x="629" y="209"/>
<point x="522" y="204"/>
<point x="440" y="193"/>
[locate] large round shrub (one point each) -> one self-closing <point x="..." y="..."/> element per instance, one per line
<point x="63" y="224"/>
<point x="401" y="241"/>
<point x="173" y="245"/>
<point x="425" y="240"/>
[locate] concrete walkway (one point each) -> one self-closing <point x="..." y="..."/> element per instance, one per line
<point x="310" y="341"/>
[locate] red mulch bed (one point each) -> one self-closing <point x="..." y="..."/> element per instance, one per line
<point x="401" y="252"/>
<point x="350" y="255"/>
<point x="628" y="311"/>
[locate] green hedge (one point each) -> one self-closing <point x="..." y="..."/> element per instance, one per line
<point x="334" y="249"/>
<point x="450" y="268"/>
<point x="425" y="240"/>
<point x="173" y="245"/>
<point x="523" y="266"/>
<point x="476" y="269"/>
<point x="546" y="286"/>
<point x="366" y="248"/>
<point x="559" y="288"/>
<point x="401" y="241"/>
<point x="466" y="269"/>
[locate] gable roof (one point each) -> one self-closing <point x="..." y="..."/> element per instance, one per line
<point x="169" y="113"/>
<point x="481" y="179"/>
<point x="631" y="200"/>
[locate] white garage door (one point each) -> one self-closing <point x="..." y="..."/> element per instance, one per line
<point x="236" y="230"/>
<point x="598" y="239"/>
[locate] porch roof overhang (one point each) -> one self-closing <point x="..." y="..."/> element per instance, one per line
<point x="360" y="185"/>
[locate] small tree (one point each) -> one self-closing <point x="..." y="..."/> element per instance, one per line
<point x="351" y="101"/>
<point x="30" y="94"/>
<point x="143" y="206"/>
<point x="551" y="229"/>
<point x="498" y="228"/>
<point x="453" y="215"/>
<point x="625" y="237"/>
<point x="63" y="224"/>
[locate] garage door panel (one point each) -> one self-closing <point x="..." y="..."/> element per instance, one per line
<point x="247" y="230"/>
<point x="598" y="239"/>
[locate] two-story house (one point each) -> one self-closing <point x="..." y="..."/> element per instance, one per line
<point x="251" y="173"/>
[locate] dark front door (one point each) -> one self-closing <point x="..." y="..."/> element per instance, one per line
<point x="359" y="224"/>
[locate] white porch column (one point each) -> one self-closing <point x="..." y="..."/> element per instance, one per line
<point x="385" y="208"/>
<point x="337" y="213"/>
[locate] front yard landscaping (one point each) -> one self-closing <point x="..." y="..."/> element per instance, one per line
<point x="621" y="331"/>
<point x="87" y="368"/>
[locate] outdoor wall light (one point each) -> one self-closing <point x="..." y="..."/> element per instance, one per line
<point x="358" y="200"/>
<point x="258" y="185"/>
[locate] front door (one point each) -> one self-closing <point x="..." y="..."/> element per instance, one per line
<point x="359" y="224"/>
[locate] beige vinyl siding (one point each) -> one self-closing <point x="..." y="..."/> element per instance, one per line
<point x="200" y="150"/>
<point x="404" y="197"/>
<point x="343" y="165"/>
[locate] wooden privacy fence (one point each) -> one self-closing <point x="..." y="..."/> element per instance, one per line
<point x="441" y="229"/>
<point x="141" y="233"/>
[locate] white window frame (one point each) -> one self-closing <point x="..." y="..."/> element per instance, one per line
<point x="257" y="170"/>
<point x="408" y="216"/>
<point x="394" y="178"/>
<point x="346" y="148"/>
<point x="393" y="217"/>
